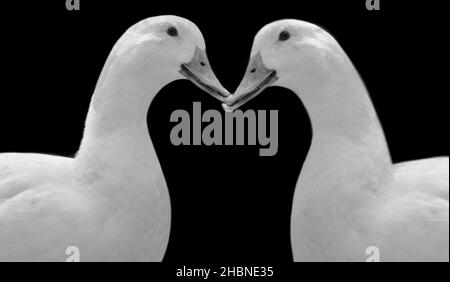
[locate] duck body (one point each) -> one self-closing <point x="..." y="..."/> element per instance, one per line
<point x="404" y="215"/>
<point x="111" y="202"/>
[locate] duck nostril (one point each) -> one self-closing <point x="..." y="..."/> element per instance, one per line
<point x="253" y="70"/>
<point x="202" y="64"/>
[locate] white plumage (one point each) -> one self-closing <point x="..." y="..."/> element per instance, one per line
<point x="349" y="195"/>
<point x="111" y="201"/>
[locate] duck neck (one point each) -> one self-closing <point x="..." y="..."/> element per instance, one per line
<point x="116" y="135"/>
<point x="348" y="162"/>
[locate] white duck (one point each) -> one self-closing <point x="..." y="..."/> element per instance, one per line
<point x="349" y="195"/>
<point x="111" y="201"/>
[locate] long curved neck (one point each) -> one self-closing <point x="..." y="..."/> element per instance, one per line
<point x="348" y="160"/>
<point x="116" y="135"/>
<point x="120" y="103"/>
<point x="346" y="172"/>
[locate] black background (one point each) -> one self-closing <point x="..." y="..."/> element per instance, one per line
<point x="228" y="204"/>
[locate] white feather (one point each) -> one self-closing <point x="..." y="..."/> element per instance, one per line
<point x="349" y="195"/>
<point x="110" y="201"/>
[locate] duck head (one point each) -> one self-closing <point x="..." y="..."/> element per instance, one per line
<point x="286" y="53"/>
<point x="164" y="49"/>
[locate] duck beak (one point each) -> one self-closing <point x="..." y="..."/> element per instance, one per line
<point x="257" y="78"/>
<point x="199" y="71"/>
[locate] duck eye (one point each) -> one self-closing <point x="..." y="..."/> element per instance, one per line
<point x="172" y="31"/>
<point x="284" y="35"/>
